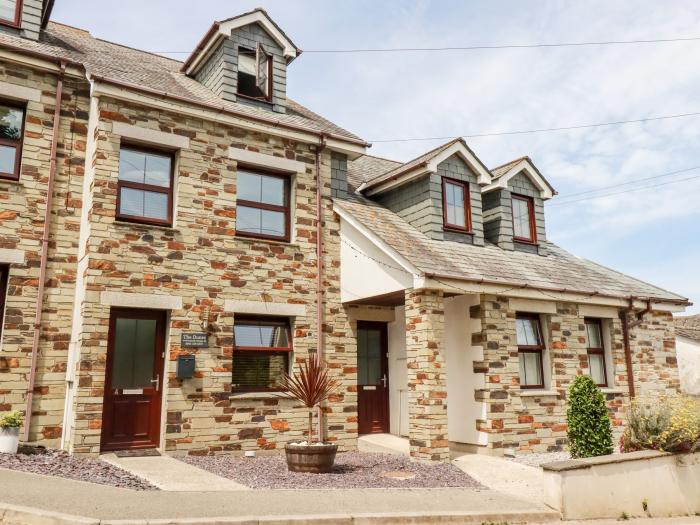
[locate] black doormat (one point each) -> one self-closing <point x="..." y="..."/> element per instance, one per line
<point x="136" y="453"/>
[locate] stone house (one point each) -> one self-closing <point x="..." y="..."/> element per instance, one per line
<point x="175" y="235"/>
<point x="688" y="349"/>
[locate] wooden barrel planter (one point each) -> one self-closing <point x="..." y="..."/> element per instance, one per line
<point x="310" y="458"/>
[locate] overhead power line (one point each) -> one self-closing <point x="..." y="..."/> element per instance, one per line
<point x="488" y="47"/>
<point x="543" y="130"/>
<point x="632" y="181"/>
<point x="630" y="190"/>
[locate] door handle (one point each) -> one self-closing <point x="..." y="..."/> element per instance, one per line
<point x="384" y="380"/>
<point x="156" y="381"/>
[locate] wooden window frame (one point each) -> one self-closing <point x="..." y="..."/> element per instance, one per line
<point x="286" y="208"/>
<point x="531" y="216"/>
<point x="467" y="228"/>
<point x="169" y="191"/>
<point x="268" y="97"/>
<point x="17" y="22"/>
<point x="597" y="351"/>
<point x="15" y="143"/>
<point x="532" y="349"/>
<point x="262" y="321"/>
<point x="4" y="285"/>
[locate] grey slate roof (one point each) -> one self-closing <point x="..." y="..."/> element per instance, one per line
<point x="127" y="65"/>
<point x="559" y="270"/>
<point x="688" y="326"/>
<point x="498" y="171"/>
<point x="368" y="167"/>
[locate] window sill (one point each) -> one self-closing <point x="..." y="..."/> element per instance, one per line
<point x="250" y="238"/>
<point x="145" y="225"/>
<point x="259" y="395"/>
<point x="457" y="230"/>
<point x="14" y="182"/>
<point x="525" y="241"/>
<point x="525" y="392"/>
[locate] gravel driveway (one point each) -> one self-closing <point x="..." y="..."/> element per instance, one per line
<point x="59" y="463"/>
<point x="352" y="470"/>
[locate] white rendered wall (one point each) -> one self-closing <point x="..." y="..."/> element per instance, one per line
<point x="398" y="375"/>
<point x="365" y="270"/>
<point x="688" y="353"/>
<point x="462" y="409"/>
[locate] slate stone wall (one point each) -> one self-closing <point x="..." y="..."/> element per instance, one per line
<point x="535" y="421"/>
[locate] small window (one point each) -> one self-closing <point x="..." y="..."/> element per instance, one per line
<point x="255" y="73"/>
<point x="530" y="348"/>
<point x="596" y="351"/>
<point x="262" y="348"/>
<point x="456" y="211"/>
<point x="10" y="12"/>
<point x="11" y="132"/>
<point x="4" y="278"/>
<point x="524" y="229"/>
<point x="262" y="205"/>
<point x="145" y="188"/>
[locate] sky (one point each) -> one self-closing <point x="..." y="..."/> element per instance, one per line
<point x="652" y="234"/>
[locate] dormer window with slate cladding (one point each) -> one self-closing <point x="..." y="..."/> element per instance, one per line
<point x="25" y="18"/>
<point x="244" y="59"/>
<point x="513" y="207"/>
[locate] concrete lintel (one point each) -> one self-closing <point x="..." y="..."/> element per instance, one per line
<point x="150" y="136"/>
<point x="265" y="308"/>
<point x="11" y="256"/>
<point x="592" y="310"/>
<point x="262" y="160"/>
<point x="367" y="313"/>
<point x="20" y="92"/>
<point x="533" y="306"/>
<point x="141" y="300"/>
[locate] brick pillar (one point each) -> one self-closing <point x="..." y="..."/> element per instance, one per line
<point x="427" y="376"/>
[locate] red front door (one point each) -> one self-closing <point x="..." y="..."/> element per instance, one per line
<point x="133" y="379"/>
<point x="372" y="378"/>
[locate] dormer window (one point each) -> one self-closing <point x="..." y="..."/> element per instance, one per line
<point x="10" y="12"/>
<point x="524" y="227"/>
<point x="456" y="211"/>
<point x="255" y="73"/>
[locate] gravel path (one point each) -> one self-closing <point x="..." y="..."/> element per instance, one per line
<point x="352" y="470"/>
<point x="59" y="463"/>
<point x="536" y="460"/>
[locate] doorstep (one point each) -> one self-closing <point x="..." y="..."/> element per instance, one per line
<point x="169" y="474"/>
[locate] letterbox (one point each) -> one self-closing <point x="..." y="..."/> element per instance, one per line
<point x="185" y="366"/>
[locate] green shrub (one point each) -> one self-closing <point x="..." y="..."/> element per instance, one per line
<point x="11" y="420"/>
<point x="589" y="431"/>
<point x="660" y="422"/>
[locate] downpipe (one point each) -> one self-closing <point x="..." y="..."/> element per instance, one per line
<point x="44" y="255"/>
<point x="319" y="268"/>
<point x="627" y="325"/>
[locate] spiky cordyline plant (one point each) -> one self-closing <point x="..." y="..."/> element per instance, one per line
<point x="311" y="384"/>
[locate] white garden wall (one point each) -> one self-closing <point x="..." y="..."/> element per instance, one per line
<point x="646" y="483"/>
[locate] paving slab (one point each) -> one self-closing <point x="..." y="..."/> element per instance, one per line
<point x="383" y="443"/>
<point x="505" y="476"/>
<point x="364" y="506"/>
<point x="169" y="474"/>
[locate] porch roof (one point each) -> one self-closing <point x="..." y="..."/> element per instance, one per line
<point x="559" y="271"/>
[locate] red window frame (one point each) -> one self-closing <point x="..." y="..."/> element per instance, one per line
<point x="531" y="216"/>
<point x="285" y="209"/>
<point x="533" y="349"/>
<point x="597" y="351"/>
<point x="4" y="279"/>
<point x="467" y="228"/>
<point x="274" y="350"/>
<point x="147" y="187"/>
<point x="18" y="16"/>
<point x="259" y="49"/>
<point x="15" y="143"/>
